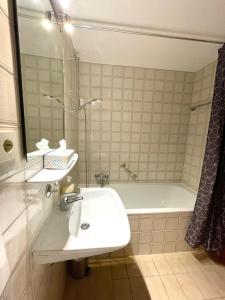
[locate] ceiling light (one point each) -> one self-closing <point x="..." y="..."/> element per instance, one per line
<point x="64" y="3"/>
<point x="67" y="24"/>
<point x="47" y="22"/>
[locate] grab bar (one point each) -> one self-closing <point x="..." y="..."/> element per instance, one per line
<point x="129" y="172"/>
<point x="194" y="107"/>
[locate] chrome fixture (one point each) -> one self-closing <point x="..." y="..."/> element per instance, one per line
<point x="88" y="102"/>
<point x="194" y="107"/>
<point x="66" y="199"/>
<point x="102" y="178"/>
<point x="61" y="18"/>
<point x="83" y="106"/>
<point x="50" y="97"/>
<point x="67" y="24"/>
<point x="129" y="172"/>
<point x="47" y="22"/>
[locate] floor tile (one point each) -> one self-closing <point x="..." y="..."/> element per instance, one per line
<point x="122" y="289"/>
<point x="133" y="267"/>
<point x="172" y="287"/>
<point x="175" y="263"/>
<point x="189" y="287"/>
<point x="216" y="280"/>
<point x="156" y="288"/>
<point x="189" y="261"/>
<point x="205" y="286"/>
<point x="103" y="282"/>
<point x="139" y="289"/>
<point x="118" y="269"/>
<point x="147" y="265"/>
<point x="175" y="276"/>
<point x="161" y="264"/>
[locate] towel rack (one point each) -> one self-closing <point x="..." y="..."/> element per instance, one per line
<point x="194" y="107"/>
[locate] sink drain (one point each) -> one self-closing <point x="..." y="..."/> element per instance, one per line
<point x="84" y="226"/>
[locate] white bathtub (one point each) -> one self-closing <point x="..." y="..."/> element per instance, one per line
<point x="145" y="198"/>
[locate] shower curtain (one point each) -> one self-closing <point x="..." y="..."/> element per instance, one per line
<point x="207" y="226"/>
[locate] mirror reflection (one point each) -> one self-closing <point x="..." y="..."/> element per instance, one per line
<point x="41" y="52"/>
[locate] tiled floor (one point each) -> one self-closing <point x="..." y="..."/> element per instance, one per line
<point x="173" y="276"/>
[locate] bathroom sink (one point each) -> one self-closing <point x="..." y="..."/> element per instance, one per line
<point x="96" y="225"/>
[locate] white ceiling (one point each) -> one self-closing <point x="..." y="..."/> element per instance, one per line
<point x="141" y="51"/>
<point x="36" y="40"/>
<point x="35" y="5"/>
<point x="202" y="18"/>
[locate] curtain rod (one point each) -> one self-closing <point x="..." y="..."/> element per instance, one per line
<point x="144" y="33"/>
<point x="135" y="32"/>
<point x="195" y="106"/>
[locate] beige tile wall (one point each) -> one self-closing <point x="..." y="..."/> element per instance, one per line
<point x="23" y="207"/>
<point x="155" y="233"/>
<point x="143" y="121"/>
<point x="44" y="118"/>
<point x="158" y="233"/>
<point x="198" y="125"/>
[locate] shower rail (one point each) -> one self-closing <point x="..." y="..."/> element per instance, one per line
<point x="194" y="107"/>
<point x="129" y="172"/>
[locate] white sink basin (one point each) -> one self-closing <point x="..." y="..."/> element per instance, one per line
<point x="62" y="237"/>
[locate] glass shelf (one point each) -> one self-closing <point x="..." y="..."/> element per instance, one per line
<point x="52" y="175"/>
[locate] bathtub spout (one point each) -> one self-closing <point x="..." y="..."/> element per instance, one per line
<point x="102" y="179"/>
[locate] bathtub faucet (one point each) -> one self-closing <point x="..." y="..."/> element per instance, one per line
<point x="129" y="172"/>
<point x="102" y="178"/>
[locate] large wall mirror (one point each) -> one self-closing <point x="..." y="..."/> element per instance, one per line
<point x="41" y="53"/>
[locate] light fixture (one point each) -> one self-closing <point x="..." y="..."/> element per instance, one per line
<point x="64" y="3"/>
<point x="67" y="24"/>
<point x="47" y="22"/>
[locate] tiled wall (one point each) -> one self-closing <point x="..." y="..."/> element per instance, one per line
<point x="23" y="207"/>
<point x="158" y="233"/>
<point x="155" y="233"/>
<point x="44" y="118"/>
<point x="143" y="121"/>
<point x="198" y="125"/>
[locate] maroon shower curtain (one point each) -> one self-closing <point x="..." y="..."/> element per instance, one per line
<point x="207" y="226"/>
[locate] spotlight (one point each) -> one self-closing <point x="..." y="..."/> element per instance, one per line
<point x="67" y="24"/>
<point x="47" y="22"/>
<point x="64" y="3"/>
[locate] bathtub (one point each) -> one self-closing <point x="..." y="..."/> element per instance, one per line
<point x="142" y="198"/>
<point x="158" y="214"/>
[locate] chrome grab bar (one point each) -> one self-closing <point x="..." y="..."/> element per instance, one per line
<point x="194" y="107"/>
<point x="129" y="172"/>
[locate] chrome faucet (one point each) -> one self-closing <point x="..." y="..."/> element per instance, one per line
<point x="68" y="198"/>
<point x="102" y="178"/>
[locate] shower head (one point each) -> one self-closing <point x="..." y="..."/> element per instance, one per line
<point x="83" y="106"/>
<point x="50" y="97"/>
<point x="89" y="102"/>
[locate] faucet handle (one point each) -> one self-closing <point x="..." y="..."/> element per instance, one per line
<point x="70" y="199"/>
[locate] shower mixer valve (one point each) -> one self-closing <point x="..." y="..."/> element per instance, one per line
<point x="102" y="178"/>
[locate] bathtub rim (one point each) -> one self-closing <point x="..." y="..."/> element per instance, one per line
<point x="146" y="211"/>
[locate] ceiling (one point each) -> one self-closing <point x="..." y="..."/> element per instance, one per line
<point x="141" y="51"/>
<point x="34" y="5"/>
<point x="36" y="40"/>
<point x="188" y="18"/>
<point x="201" y="18"/>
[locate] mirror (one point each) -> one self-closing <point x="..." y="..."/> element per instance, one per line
<point x="41" y="53"/>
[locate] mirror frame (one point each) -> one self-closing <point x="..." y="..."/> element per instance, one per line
<point x="18" y="68"/>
